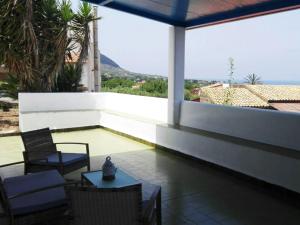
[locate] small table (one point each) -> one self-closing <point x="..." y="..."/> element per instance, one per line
<point x="122" y="179"/>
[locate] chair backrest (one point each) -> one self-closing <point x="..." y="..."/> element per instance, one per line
<point x="3" y="199"/>
<point x="92" y="206"/>
<point x="38" y="143"/>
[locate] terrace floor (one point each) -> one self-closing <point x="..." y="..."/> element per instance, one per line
<point x="192" y="192"/>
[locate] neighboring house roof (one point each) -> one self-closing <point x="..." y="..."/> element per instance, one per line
<point x="234" y="96"/>
<point x="283" y="97"/>
<point x="215" y="85"/>
<point x="290" y="107"/>
<point x="275" y="93"/>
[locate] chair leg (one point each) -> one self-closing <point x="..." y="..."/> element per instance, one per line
<point x="11" y="220"/>
<point x="25" y="169"/>
<point x="89" y="166"/>
<point x="158" y="208"/>
<point x="61" y="170"/>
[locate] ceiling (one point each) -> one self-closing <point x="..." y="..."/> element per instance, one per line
<point x="197" y="13"/>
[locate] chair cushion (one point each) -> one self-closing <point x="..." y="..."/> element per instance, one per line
<point x="36" y="201"/>
<point x="67" y="158"/>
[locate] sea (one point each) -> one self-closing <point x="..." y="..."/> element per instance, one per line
<point x="281" y="82"/>
<point x="272" y="82"/>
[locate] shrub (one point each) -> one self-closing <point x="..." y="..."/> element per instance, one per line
<point x="10" y="87"/>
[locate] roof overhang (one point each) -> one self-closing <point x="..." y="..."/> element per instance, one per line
<point x="198" y="13"/>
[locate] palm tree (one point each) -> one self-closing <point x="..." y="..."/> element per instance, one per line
<point x="253" y="79"/>
<point x="81" y="30"/>
<point x="36" y="36"/>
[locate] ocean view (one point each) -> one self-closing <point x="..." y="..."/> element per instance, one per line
<point x="271" y="82"/>
<point x="281" y="82"/>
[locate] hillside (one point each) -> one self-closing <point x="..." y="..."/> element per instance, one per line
<point x="110" y="68"/>
<point x="108" y="62"/>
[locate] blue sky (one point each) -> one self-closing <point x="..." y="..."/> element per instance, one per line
<point x="268" y="46"/>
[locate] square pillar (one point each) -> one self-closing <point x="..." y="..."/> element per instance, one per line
<point x="176" y="73"/>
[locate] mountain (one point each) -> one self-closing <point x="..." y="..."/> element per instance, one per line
<point x="108" y="62"/>
<point x="110" y="68"/>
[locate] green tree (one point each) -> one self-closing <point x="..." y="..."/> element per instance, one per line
<point x="155" y="85"/>
<point x="191" y="84"/>
<point x="35" y="40"/>
<point x="118" y="82"/>
<point x="189" y="96"/>
<point x="69" y="80"/>
<point x="10" y="86"/>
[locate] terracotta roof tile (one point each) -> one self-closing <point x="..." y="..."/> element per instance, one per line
<point x="234" y="96"/>
<point x="276" y="92"/>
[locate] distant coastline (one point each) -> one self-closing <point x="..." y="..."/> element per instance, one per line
<point x="279" y="82"/>
<point x="272" y="82"/>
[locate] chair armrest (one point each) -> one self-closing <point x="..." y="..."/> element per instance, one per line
<point x="155" y="200"/>
<point x="25" y="154"/>
<point x="43" y="189"/>
<point x="70" y="143"/>
<point x="11" y="164"/>
<point x="75" y="143"/>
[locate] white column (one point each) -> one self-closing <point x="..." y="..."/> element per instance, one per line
<point x="176" y="73"/>
<point x="90" y="61"/>
<point x="97" y="65"/>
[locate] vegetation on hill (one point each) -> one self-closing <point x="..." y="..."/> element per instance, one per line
<point x="149" y="86"/>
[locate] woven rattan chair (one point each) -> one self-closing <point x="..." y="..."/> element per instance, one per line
<point x="41" y="153"/>
<point x="121" y="206"/>
<point x="33" y="199"/>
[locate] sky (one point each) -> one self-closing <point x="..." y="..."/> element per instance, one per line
<point x="268" y="46"/>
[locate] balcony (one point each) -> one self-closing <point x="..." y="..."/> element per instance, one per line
<point x="193" y="192"/>
<point x="216" y="164"/>
<point x="206" y="177"/>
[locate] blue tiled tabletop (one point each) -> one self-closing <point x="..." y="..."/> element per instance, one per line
<point x="122" y="179"/>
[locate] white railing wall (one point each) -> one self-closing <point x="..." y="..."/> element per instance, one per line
<point x="134" y="115"/>
<point x="265" y="126"/>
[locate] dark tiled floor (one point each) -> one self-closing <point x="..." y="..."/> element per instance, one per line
<point x="193" y="193"/>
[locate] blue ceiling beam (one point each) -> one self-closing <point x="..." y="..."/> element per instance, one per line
<point x="146" y="14"/>
<point x="245" y="12"/>
<point x="181" y="9"/>
<point x="143" y="13"/>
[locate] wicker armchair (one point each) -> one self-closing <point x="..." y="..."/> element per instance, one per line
<point x="33" y="199"/>
<point x="121" y="206"/>
<point x="41" y="153"/>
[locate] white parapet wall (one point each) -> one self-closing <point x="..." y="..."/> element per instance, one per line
<point x="260" y="143"/>
<point x="134" y="115"/>
<point x="265" y="126"/>
<point x="57" y="110"/>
